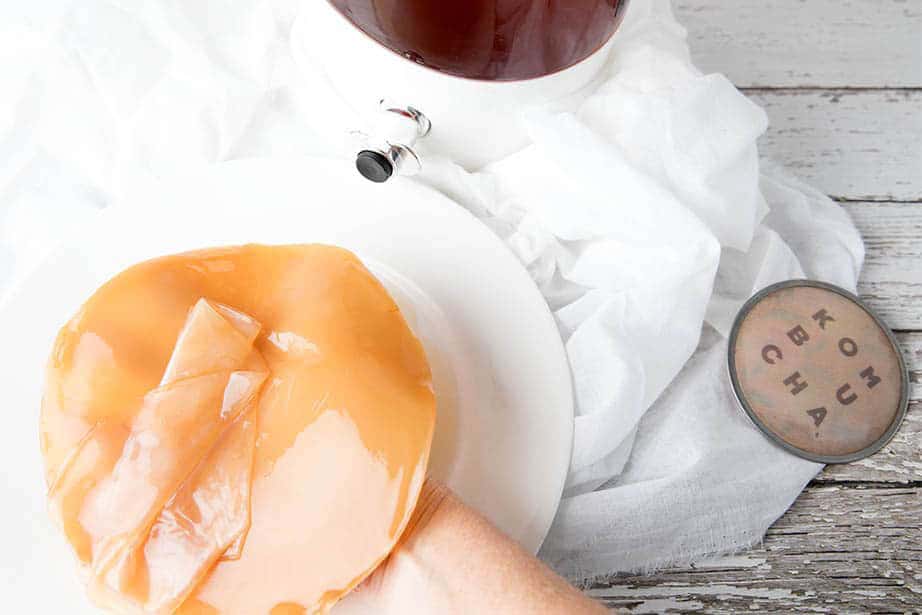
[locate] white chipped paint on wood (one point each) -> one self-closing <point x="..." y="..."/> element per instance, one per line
<point x="853" y="540"/>
<point x="818" y="43"/>
<point x="850" y="144"/>
<point x="911" y="344"/>
<point x="901" y="460"/>
<point x="891" y="281"/>
<point x="898" y="462"/>
<point x="839" y="549"/>
<point x="734" y="562"/>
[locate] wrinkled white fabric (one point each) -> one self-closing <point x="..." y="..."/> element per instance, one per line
<point x="639" y="209"/>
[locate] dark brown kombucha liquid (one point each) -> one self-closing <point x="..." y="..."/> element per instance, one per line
<point x="498" y="40"/>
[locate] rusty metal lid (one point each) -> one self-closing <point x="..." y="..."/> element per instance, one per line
<point x="817" y="371"/>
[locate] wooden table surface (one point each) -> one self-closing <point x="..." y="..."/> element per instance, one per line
<point x="841" y="81"/>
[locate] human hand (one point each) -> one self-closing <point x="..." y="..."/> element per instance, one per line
<point x="452" y="560"/>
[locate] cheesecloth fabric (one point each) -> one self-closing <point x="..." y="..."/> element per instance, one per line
<point x="641" y="209"/>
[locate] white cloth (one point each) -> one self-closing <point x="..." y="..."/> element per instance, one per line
<point x="641" y="213"/>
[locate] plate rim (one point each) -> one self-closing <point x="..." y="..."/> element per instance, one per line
<point x="206" y="173"/>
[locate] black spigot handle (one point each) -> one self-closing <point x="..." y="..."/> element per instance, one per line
<point x="374" y="166"/>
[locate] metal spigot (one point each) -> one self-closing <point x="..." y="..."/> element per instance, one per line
<point x="388" y="149"/>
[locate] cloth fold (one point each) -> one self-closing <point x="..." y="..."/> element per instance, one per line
<point x="644" y="218"/>
<point x="640" y="208"/>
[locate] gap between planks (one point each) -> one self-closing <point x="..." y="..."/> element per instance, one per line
<point x="899" y="463"/>
<point x="863" y="43"/>
<point x="839" y="548"/>
<point x="866" y="154"/>
<point x="891" y="279"/>
<point x="854" y="145"/>
<point x="783" y="89"/>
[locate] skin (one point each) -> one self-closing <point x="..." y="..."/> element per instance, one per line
<point x="294" y="421"/>
<point x="452" y="560"/>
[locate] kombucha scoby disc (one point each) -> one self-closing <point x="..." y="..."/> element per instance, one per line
<point x="235" y="430"/>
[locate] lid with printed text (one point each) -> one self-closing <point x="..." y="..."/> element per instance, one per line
<point x="817" y="371"/>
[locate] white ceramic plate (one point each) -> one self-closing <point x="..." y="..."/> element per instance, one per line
<point x="505" y="425"/>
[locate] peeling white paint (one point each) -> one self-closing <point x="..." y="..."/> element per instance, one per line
<point x="742" y="560"/>
<point x="669" y="589"/>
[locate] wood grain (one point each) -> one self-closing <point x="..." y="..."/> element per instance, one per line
<point x="856" y="145"/>
<point x="841" y="81"/>
<point x="817" y="43"/>
<point x="891" y="281"/>
<point x="901" y="460"/>
<point x="840" y="549"/>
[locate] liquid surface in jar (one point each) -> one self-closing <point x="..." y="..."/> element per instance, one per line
<point x="236" y="430"/>
<point x="501" y="40"/>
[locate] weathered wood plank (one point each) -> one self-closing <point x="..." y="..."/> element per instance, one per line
<point x="901" y="460"/>
<point x="891" y="281"/>
<point x="911" y="343"/>
<point x="839" y="549"/>
<point x="821" y="43"/>
<point x="853" y="541"/>
<point x="859" y="145"/>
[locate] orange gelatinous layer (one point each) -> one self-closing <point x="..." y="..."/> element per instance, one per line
<point x="236" y="430"/>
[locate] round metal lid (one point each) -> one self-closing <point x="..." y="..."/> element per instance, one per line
<point x="817" y="371"/>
